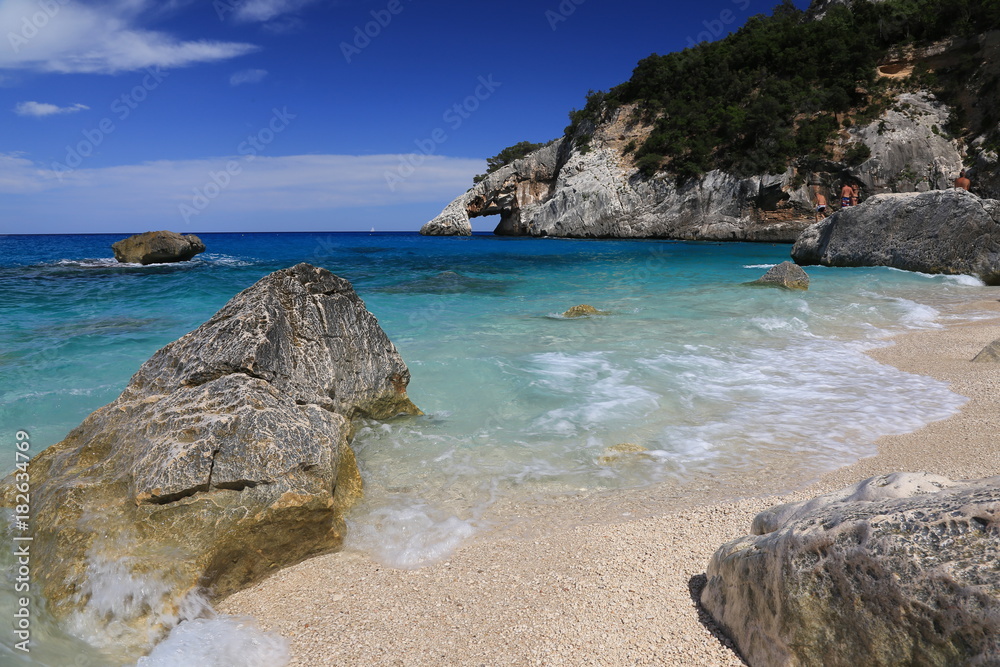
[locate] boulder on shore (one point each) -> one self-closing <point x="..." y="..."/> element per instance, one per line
<point x="157" y="247"/>
<point x="899" y="569"/>
<point x="944" y="231"/>
<point x="786" y="274"/>
<point x="226" y="457"/>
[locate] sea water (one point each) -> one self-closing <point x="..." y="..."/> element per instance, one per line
<point x="686" y="373"/>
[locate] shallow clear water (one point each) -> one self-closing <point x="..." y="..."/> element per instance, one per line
<point x="696" y="372"/>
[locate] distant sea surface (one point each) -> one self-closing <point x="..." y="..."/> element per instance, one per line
<point x="697" y="373"/>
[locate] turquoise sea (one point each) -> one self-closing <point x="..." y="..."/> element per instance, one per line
<point x="708" y="377"/>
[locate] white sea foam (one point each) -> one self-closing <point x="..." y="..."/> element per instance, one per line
<point x="957" y="279"/>
<point x="818" y="397"/>
<point x="223" y="260"/>
<point x="759" y="266"/>
<point x="592" y="388"/>
<point x="408" y="533"/>
<point x="94" y="263"/>
<point x="220" y="641"/>
<point x="971" y="281"/>
<point x="118" y="606"/>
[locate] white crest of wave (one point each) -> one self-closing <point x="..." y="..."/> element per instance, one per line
<point x="221" y="641"/>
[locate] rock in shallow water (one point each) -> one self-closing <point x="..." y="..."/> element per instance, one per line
<point x="902" y="569"/>
<point x="227" y="456"/>
<point x="157" y="247"/>
<point x="583" y="310"/>
<point x="786" y="274"/>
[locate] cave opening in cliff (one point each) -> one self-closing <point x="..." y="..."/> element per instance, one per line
<point x="485" y="223"/>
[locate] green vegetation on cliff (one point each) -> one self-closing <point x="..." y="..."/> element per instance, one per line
<point x="782" y="86"/>
<point x="506" y="156"/>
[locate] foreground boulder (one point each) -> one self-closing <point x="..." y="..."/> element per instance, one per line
<point x="225" y="458"/>
<point x="944" y="231"/>
<point x="897" y="570"/>
<point x="157" y="248"/>
<point x="786" y="274"/>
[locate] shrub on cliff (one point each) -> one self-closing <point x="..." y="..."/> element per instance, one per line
<point x="769" y="93"/>
<point x="506" y="156"/>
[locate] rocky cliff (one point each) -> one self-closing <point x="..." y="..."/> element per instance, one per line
<point x="225" y="457"/>
<point x="588" y="184"/>
<point x="563" y="191"/>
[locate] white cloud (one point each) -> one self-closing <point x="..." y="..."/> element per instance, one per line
<point x="71" y="37"/>
<point x="258" y="11"/>
<point x="279" y="191"/>
<point x="39" y="109"/>
<point x="247" y="76"/>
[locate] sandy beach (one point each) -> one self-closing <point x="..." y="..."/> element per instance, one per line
<point x="608" y="579"/>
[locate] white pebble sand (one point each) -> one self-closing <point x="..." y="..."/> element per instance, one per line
<point x="605" y="579"/>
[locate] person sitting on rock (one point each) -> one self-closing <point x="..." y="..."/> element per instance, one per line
<point x="846" y="193"/>
<point x="963" y="182"/>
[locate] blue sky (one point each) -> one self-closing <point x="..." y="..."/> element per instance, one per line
<point x="297" y="115"/>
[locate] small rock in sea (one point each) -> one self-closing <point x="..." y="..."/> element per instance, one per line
<point x="157" y="247"/>
<point x="786" y="274"/>
<point x="583" y="310"/>
<point x="989" y="353"/>
<point x="617" y="452"/>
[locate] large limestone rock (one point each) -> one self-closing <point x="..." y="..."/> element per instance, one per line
<point x="944" y="231"/>
<point x="226" y="456"/>
<point x="157" y="247"/>
<point x="901" y="569"/>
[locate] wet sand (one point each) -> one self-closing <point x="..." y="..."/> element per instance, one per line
<point x="610" y="579"/>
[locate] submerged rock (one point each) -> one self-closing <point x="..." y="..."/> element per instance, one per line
<point x="786" y="274"/>
<point x="899" y="569"/>
<point x="989" y="353"/>
<point x="157" y="247"/>
<point x="226" y="457"/>
<point x="945" y="231"/>
<point x="583" y="310"/>
<point x="623" y="450"/>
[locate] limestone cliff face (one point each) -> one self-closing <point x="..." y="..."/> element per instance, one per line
<point x="563" y="191"/>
